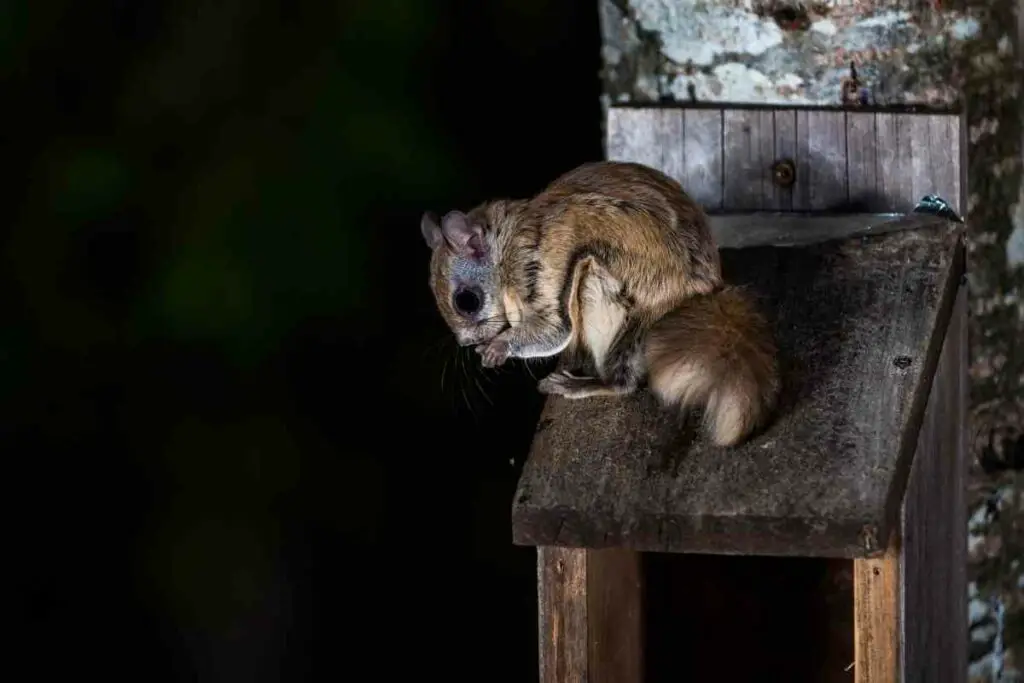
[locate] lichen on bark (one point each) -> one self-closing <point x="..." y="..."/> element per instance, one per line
<point x="779" y="51"/>
<point x="990" y="80"/>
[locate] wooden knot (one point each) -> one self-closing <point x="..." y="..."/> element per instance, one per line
<point x="784" y="172"/>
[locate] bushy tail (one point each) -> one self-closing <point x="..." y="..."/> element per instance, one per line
<point x="718" y="351"/>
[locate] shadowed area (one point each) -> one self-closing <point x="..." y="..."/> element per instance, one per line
<point x="242" y="446"/>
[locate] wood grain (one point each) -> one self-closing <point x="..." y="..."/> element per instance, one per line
<point x="910" y="605"/>
<point x="876" y="617"/>
<point x="562" y="603"/>
<point x="821" y="161"/>
<point x="748" y="155"/>
<point x="653" y="137"/>
<point x="785" y="148"/>
<point x="917" y="155"/>
<point x="860" y="161"/>
<point x="591" y="620"/>
<point x="702" y="151"/>
<point x="941" y="175"/>
<point x="856" y="319"/>
<point x="934" y="545"/>
<point x="894" y="188"/>
<point x="615" y="616"/>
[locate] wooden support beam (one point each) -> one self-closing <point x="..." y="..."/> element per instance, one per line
<point x="910" y="604"/>
<point x="591" y="622"/>
<point x="934" y="524"/>
<point x="877" y="627"/>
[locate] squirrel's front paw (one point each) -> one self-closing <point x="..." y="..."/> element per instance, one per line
<point x="494" y="352"/>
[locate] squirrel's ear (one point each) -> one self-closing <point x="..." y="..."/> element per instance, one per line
<point x="464" y="237"/>
<point x="431" y="230"/>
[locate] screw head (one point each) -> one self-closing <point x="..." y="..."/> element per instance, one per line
<point x="784" y="172"/>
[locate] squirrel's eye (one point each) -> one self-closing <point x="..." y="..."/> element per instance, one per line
<point x="468" y="301"/>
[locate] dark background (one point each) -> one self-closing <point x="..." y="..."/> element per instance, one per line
<point x="232" y="455"/>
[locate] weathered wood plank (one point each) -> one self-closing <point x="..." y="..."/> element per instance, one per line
<point x="941" y="175"/>
<point x="919" y="155"/>
<point x="785" y="148"/>
<point x="591" y="619"/>
<point x="910" y="607"/>
<point x="821" y="161"/>
<point x="562" y="603"/>
<point x="862" y="164"/>
<point x="934" y="546"/>
<point x="892" y="180"/>
<point x="735" y="231"/>
<point x="653" y="137"/>
<point x="748" y="155"/>
<point x="615" y="616"/>
<point x="619" y="472"/>
<point x="867" y="161"/>
<point x="876" y="617"/>
<point x="702" y="151"/>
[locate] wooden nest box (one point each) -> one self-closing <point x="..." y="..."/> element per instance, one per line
<point x="832" y="545"/>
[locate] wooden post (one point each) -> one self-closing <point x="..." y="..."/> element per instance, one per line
<point x="590" y="615"/>
<point x="865" y="462"/>
<point x="877" y="616"/>
<point x="911" y="603"/>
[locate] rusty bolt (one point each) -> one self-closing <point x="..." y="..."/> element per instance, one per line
<point x="851" y="92"/>
<point x="784" y="172"/>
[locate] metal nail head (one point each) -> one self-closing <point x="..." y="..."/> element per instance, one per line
<point x="784" y="172"/>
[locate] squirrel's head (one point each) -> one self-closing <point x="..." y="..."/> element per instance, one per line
<point x="464" y="275"/>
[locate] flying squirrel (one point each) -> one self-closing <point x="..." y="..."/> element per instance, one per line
<point x="615" y="265"/>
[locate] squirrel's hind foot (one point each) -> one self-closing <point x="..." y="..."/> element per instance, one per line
<point x="565" y="383"/>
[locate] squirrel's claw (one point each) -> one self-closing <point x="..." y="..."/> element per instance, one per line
<point x="493" y="353"/>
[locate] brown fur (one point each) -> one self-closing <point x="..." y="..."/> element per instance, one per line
<point x="615" y="263"/>
<point x="659" y="239"/>
<point x="716" y="350"/>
